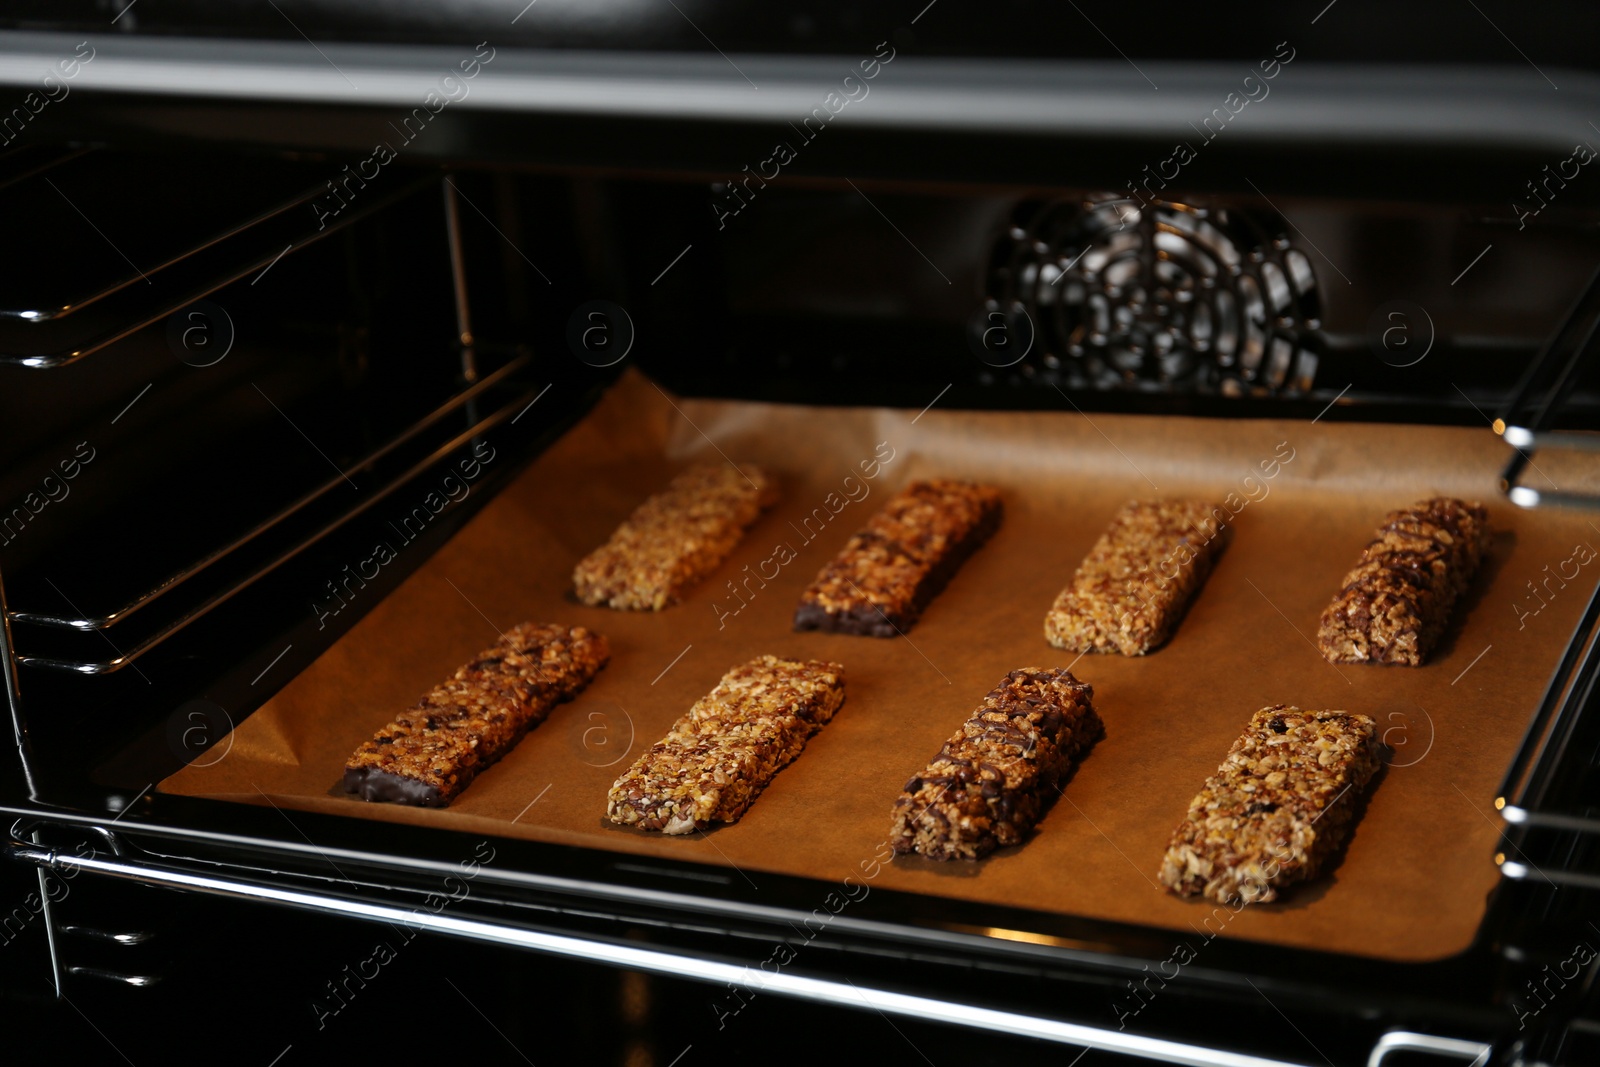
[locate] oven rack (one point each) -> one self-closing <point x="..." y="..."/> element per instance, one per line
<point x="491" y="387"/>
<point x="1549" y="853"/>
<point x="256" y="865"/>
<point x="1540" y="799"/>
<point x="1552" y="816"/>
<point x="715" y="972"/>
<point x="203" y="275"/>
<point x="172" y="581"/>
<point x="520" y="394"/>
<point x="260" y="868"/>
<point x="370" y="888"/>
<point x="1527" y="423"/>
<point x="33" y="336"/>
<point x="67" y="304"/>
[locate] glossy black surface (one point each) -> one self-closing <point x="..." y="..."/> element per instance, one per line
<point x="1434" y="31"/>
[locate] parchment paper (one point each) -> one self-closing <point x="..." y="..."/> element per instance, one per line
<point x="1412" y="885"/>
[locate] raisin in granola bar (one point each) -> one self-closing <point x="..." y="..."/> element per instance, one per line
<point x="675" y="538"/>
<point x="991" y="782"/>
<point x="1277" y="809"/>
<point x="890" y="569"/>
<point x="433" y="750"/>
<point x="1397" y="601"/>
<point x="724" y="751"/>
<point x="1130" y="590"/>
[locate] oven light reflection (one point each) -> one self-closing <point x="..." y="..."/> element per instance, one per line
<point x="1031" y="938"/>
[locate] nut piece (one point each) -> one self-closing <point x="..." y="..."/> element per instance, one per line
<point x="892" y="568"/>
<point x="433" y="749"/>
<point x="675" y="538"/>
<point x="1277" y="809"/>
<point x="1397" y="601"/>
<point x="1131" y="588"/>
<point x="993" y="779"/>
<point x="724" y="751"/>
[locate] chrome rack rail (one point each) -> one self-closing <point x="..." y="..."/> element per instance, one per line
<point x="684" y="964"/>
<point x="1552" y="836"/>
<point x="1525" y="423"/>
<point x="1552" y="830"/>
<point x="478" y="404"/>
<point x="266" y="233"/>
<point x="376" y="496"/>
<point x="134" y="274"/>
<point x="173" y="581"/>
<point x="199" y="268"/>
<point x="192" y="275"/>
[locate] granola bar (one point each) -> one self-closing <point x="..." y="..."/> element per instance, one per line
<point x="992" y="780"/>
<point x="433" y="750"/>
<point x="1397" y="601"/>
<point x="1277" y="809"/>
<point x="893" y="567"/>
<point x="675" y="538"/>
<point x="1133" y="586"/>
<point x="721" y="754"/>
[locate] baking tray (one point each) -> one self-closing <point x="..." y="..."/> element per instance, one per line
<point x="1412" y="885"/>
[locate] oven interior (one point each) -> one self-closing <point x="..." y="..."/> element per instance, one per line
<point x="199" y="413"/>
<point x="218" y="364"/>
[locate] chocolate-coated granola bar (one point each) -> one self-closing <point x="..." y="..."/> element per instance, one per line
<point x="675" y="538"/>
<point x="990" y="782"/>
<point x="1130" y="590"/>
<point x="1279" y="806"/>
<point x="721" y="754"/>
<point x="891" y="568"/>
<point x="433" y="749"/>
<point x="1398" y="599"/>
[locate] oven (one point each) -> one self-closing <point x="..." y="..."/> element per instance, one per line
<point x="467" y="280"/>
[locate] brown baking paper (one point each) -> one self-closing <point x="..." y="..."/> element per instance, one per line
<point x="1412" y="885"/>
